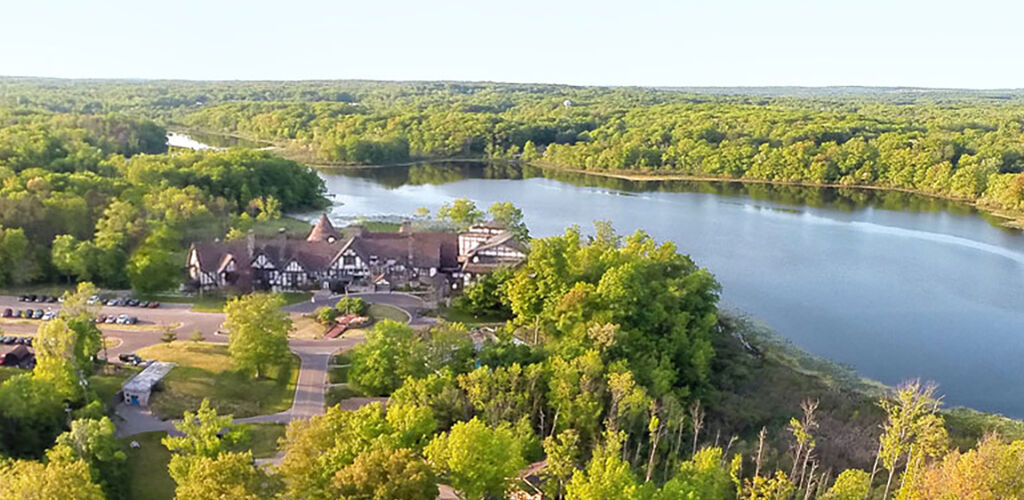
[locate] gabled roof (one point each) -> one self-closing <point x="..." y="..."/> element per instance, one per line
<point x="311" y="255"/>
<point x="213" y="255"/>
<point x="421" y="250"/>
<point x="323" y="230"/>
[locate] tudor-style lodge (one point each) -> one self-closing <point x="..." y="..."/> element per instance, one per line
<point x="363" y="260"/>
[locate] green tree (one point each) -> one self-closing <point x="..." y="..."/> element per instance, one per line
<point x="477" y="460"/>
<point x="383" y="474"/>
<point x="31" y="415"/>
<point x="703" y="476"/>
<point x="24" y="479"/>
<point x="153" y="267"/>
<point x="94" y="442"/>
<point x="852" y="484"/>
<point x="202" y="436"/>
<point x="258" y="332"/>
<point x="326" y="315"/>
<point x="351" y="305"/>
<point x="563" y="455"/>
<point x="392" y="352"/>
<point x="510" y="217"/>
<point x="461" y="212"/>
<point x="606" y="477"/>
<point x="227" y="475"/>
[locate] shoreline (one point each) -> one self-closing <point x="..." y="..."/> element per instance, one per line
<point x="1010" y="219"/>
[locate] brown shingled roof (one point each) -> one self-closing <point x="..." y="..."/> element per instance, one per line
<point x="323" y="230"/>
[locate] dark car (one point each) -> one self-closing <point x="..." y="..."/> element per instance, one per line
<point x="130" y="358"/>
<point x="52" y="298"/>
<point x="143" y="303"/>
<point x="41" y="298"/>
<point x="133" y="302"/>
<point x="27" y="313"/>
<point x="8" y="312"/>
<point x="30" y="297"/>
<point x="28" y="341"/>
<point x="131" y="320"/>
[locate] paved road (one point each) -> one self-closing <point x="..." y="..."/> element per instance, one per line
<point x="314" y="354"/>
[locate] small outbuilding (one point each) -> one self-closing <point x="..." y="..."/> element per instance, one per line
<point x="138" y="389"/>
<point x="17" y="356"/>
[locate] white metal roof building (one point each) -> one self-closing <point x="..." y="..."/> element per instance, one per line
<point x="137" y="390"/>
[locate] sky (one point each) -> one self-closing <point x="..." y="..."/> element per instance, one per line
<point x="966" y="44"/>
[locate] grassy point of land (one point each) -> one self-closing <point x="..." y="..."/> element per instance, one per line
<point x="205" y="371"/>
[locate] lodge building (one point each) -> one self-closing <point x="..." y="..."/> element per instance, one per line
<point x="363" y="260"/>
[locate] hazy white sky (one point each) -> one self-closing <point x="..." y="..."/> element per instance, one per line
<point x="976" y="44"/>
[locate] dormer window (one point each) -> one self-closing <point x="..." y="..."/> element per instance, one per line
<point x="331" y="239"/>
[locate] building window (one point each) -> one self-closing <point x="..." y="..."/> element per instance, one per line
<point x="348" y="261"/>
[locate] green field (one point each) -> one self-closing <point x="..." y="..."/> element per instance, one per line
<point x="205" y="371"/>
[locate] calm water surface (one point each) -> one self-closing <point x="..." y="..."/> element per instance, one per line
<point x="895" y="285"/>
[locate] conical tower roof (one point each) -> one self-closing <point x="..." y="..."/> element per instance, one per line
<point x="323" y="230"/>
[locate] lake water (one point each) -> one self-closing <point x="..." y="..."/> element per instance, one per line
<point x="897" y="286"/>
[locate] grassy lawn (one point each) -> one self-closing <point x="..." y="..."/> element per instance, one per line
<point x="147" y="465"/>
<point x="305" y="327"/>
<point x="338" y="374"/>
<point x="215" y="302"/>
<point x="109" y="381"/>
<point x="205" y="371"/>
<point x="384" y="311"/>
<point x="262" y="439"/>
<point x="147" y="468"/>
<point x="342" y="358"/>
<point x="456" y="315"/>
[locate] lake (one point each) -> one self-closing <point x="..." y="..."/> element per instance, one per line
<point x="897" y="286"/>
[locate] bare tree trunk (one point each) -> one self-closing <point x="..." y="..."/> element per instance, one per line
<point x="697" y="416"/>
<point x="874" y="468"/>
<point x="654" y="449"/>
<point x="728" y="447"/>
<point x="810" y="481"/>
<point x="760" y="448"/>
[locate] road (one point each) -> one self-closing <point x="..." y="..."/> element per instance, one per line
<point x="314" y="354"/>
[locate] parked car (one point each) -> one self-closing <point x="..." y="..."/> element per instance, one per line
<point x="92" y="300"/>
<point x="132" y="320"/>
<point x="122" y="319"/>
<point x="41" y="298"/>
<point x="101" y="318"/>
<point x="30" y="297"/>
<point x="153" y="305"/>
<point x="52" y="298"/>
<point x="7" y="340"/>
<point x="143" y="303"/>
<point x="38" y="314"/>
<point x="110" y="319"/>
<point x="133" y="302"/>
<point x="8" y="312"/>
<point x="49" y="315"/>
<point x="130" y="358"/>
<point x="27" y="313"/>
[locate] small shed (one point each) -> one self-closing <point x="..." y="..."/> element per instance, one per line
<point x="16" y="355"/>
<point x="137" y="390"/>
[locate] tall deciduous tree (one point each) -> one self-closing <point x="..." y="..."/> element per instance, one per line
<point x="478" y="460"/>
<point x="461" y="212"/>
<point x="392" y="352"/>
<point x="28" y="480"/>
<point x="93" y="441"/>
<point x="381" y="473"/>
<point x="202" y="436"/>
<point x="258" y="332"/>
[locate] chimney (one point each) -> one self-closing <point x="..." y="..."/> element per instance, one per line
<point x="250" y="244"/>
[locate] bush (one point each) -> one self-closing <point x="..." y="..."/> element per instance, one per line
<point x="325" y="315"/>
<point x="351" y="305"/>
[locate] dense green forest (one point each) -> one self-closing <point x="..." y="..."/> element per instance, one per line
<point x="98" y="197"/>
<point x="965" y="145"/>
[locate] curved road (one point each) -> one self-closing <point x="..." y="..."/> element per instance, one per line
<point x="314" y="354"/>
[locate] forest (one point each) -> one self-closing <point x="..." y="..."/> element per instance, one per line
<point x="99" y="197"/>
<point x="960" y="145"/>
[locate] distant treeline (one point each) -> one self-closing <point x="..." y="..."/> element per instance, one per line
<point x="965" y="145"/>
